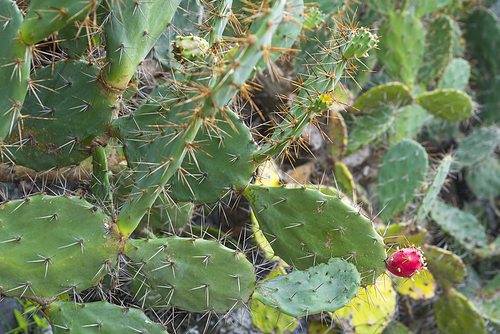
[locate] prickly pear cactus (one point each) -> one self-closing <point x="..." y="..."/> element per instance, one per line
<point x="82" y="247"/>
<point x="320" y="228"/>
<point x="403" y="47"/>
<point x="400" y="176"/>
<point x="140" y="136"/>
<point x="308" y="292"/>
<point x="194" y="274"/>
<point x="99" y="317"/>
<point x="450" y="304"/>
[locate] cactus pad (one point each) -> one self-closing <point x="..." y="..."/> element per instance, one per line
<point x="271" y="320"/>
<point x="99" y="317"/>
<point x="456" y="315"/>
<point x="384" y="7"/>
<point x="46" y="16"/>
<point x="338" y="135"/>
<point x="484" y="178"/>
<point x="438" y="48"/>
<point x="325" y="287"/>
<point x="396" y="327"/>
<point x="479" y="145"/>
<point x="419" y="287"/>
<point x="402" y="46"/>
<point x="463" y="226"/>
<point x="423" y="7"/>
<point x="448" y="269"/>
<point x="169" y="216"/>
<point x="14" y="68"/>
<point x="194" y="274"/>
<point x="369" y="127"/>
<point x="392" y="93"/>
<point x="403" y="235"/>
<point x="456" y="75"/>
<point x="448" y="104"/>
<point x="371" y="310"/>
<point x="80" y="250"/>
<point x="320" y="228"/>
<point x="409" y="121"/>
<point x="66" y="118"/>
<point x="131" y="31"/>
<point x="483" y="36"/>
<point x="400" y="176"/>
<point x="222" y="163"/>
<point x="434" y="188"/>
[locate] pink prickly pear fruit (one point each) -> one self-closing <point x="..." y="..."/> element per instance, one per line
<point x="405" y="262"/>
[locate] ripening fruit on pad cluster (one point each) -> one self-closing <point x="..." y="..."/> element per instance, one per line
<point x="405" y="262"/>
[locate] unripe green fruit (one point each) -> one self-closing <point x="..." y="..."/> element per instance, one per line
<point x="189" y="48"/>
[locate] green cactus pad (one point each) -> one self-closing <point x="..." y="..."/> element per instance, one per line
<point x="323" y="77"/>
<point x="461" y="225"/>
<point x="222" y="164"/>
<point x="448" y="269"/>
<point x="131" y="31"/>
<point x="267" y="318"/>
<point x="433" y="190"/>
<point x="423" y="7"/>
<point x="99" y="317"/>
<point x="15" y="63"/>
<point x="325" y="287"/>
<point x="456" y="315"/>
<point x="392" y="93"/>
<point x="483" y="36"/>
<point x="167" y="215"/>
<point x="46" y="16"/>
<point x="402" y="46"/>
<point x="479" y="145"/>
<point x="493" y="286"/>
<point x="287" y="33"/>
<point x="484" y="178"/>
<point x="167" y="136"/>
<point x="371" y="310"/>
<point x="396" y="327"/>
<point x="456" y="75"/>
<point x="194" y="274"/>
<point x="458" y="41"/>
<point x="400" y="176"/>
<point x="439" y="129"/>
<point x="409" y="121"/>
<point x="247" y="56"/>
<point x="75" y="38"/>
<point x="319" y="228"/>
<point x="384" y="7"/>
<point x="143" y="294"/>
<point x="74" y="114"/>
<point x="369" y="127"/>
<point x="438" y="48"/>
<point x="53" y="245"/>
<point x="448" y="104"/>
<point x="101" y="191"/>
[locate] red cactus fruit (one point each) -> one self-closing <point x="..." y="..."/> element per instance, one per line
<point x="405" y="262"/>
